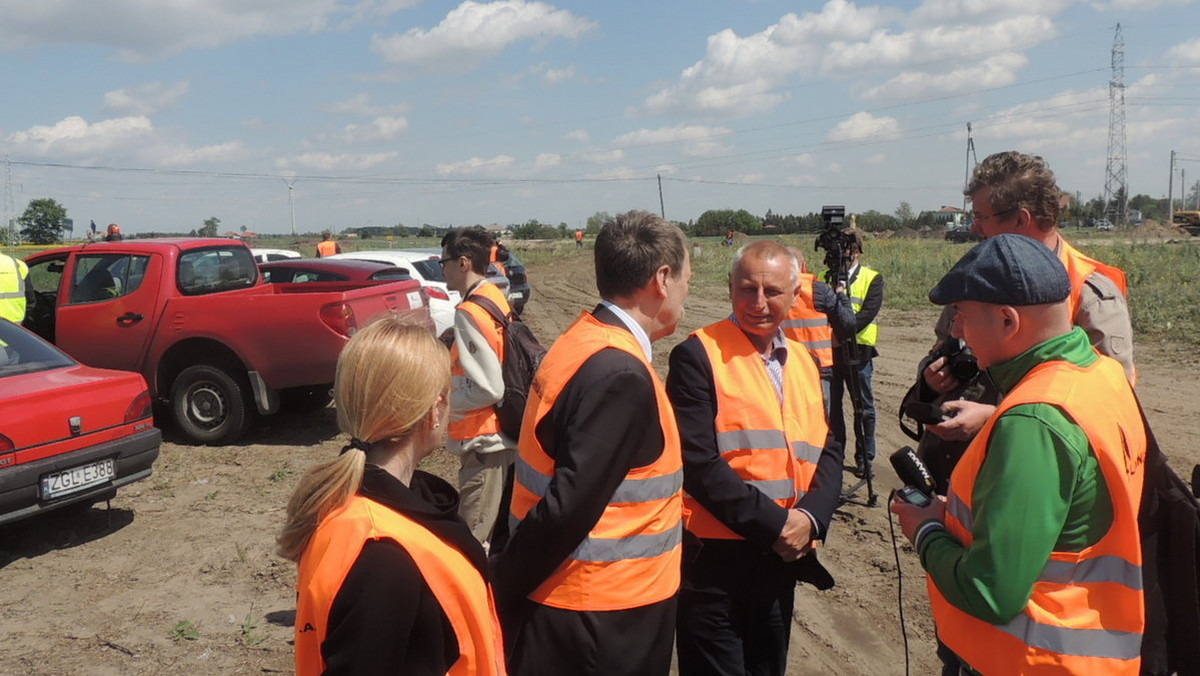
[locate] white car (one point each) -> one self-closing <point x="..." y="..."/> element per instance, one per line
<point x="268" y="255"/>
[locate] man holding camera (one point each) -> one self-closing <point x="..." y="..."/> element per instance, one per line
<point x="1033" y="557"/>
<point x="853" y="357"/>
<point x="1016" y="193"/>
<point x="761" y="477"/>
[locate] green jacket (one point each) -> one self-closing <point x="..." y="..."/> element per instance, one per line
<point x="1039" y="490"/>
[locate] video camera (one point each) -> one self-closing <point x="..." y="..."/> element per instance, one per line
<point x="838" y="245"/>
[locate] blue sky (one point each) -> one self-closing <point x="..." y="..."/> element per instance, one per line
<point x="158" y="115"/>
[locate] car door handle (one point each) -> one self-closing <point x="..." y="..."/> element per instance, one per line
<point x="129" y="319"/>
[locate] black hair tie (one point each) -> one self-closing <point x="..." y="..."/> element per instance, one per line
<point x="355" y="442"/>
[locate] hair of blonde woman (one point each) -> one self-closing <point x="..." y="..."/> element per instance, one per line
<point x="389" y="377"/>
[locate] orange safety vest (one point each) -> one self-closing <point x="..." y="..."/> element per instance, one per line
<point x="326" y="248"/>
<point x="1080" y="266"/>
<point x="631" y="557"/>
<point x="807" y="326"/>
<point x="460" y="589"/>
<point x="772" y="446"/>
<point x="1085" y="614"/>
<point x="484" y="420"/>
<point x="578" y="235"/>
<point x="494" y="258"/>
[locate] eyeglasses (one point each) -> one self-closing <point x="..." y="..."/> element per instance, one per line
<point x="442" y="261"/>
<point x="980" y="219"/>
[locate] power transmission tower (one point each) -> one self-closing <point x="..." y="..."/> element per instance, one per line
<point x="9" y="226"/>
<point x="1116" y="196"/>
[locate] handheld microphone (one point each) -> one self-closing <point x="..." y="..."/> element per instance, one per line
<point x="912" y="472"/>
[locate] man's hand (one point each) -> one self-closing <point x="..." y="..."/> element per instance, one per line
<point x="795" y="540"/>
<point x="938" y="377"/>
<point x="912" y="516"/>
<point x="966" y="419"/>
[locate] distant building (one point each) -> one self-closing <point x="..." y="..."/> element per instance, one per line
<point x="948" y="218"/>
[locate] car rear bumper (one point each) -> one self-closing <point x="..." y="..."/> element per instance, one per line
<point x="133" y="456"/>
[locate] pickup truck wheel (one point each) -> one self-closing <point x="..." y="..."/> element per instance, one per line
<point x="209" y="405"/>
<point x="306" y="399"/>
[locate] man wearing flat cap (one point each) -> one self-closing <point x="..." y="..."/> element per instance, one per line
<point x="1033" y="559"/>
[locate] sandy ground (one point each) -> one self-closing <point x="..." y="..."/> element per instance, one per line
<point x="178" y="575"/>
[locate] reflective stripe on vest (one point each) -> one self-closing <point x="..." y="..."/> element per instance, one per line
<point x="858" y="295"/>
<point x="1085" y="614"/>
<point x="631" y="557"/>
<point x="484" y="420"/>
<point x="771" y="446"/>
<point x="460" y="590"/>
<point x="807" y="326"/>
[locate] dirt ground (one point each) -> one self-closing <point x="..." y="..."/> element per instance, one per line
<point x="178" y="575"/>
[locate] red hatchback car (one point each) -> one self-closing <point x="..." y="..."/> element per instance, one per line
<point x="69" y="434"/>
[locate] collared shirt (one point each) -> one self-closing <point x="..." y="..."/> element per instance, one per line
<point x="774" y="360"/>
<point x="631" y="324"/>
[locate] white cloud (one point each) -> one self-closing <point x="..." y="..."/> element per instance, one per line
<point x="331" y="161"/>
<point x="379" y="129"/>
<point x="863" y="125"/>
<point x="475" y="165"/>
<point x="547" y="160"/>
<point x="1187" y="53"/>
<point x="475" y="31"/>
<point x="748" y="178"/>
<point x="996" y="71"/>
<point x="143" y="29"/>
<point x="145" y="99"/>
<point x="578" y="135"/>
<point x="618" y="173"/>
<point x="877" y="159"/>
<point x="1144" y="5"/>
<point x="601" y="156"/>
<point x="222" y="152"/>
<point x="553" y="76"/>
<point x="697" y="140"/>
<point x="76" y="137"/>
<point x="361" y="104"/>
<point x="806" y="160"/>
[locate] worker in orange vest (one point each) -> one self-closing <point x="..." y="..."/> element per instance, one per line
<point x="761" y="474"/>
<point x="587" y="583"/>
<point x="390" y="579"/>
<point x="813" y="318"/>
<point x="1048" y="491"/>
<point x="327" y="247"/>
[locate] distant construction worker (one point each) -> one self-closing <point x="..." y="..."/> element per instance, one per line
<point x="499" y="256"/>
<point x="114" y="233"/>
<point x="578" y="238"/>
<point x="13" y="272"/>
<point x="327" y="247"/>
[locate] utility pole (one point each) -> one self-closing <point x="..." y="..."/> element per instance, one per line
<point x="1171" y="191"/>
<point x="1115" y="186"/>
<point x="291" y="205"/>
<point x="661" y="206"/>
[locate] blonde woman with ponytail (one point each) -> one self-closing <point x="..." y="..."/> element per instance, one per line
<point x="391" y="580"/>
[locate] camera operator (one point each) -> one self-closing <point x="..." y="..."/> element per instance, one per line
<point x="853" y="355"/>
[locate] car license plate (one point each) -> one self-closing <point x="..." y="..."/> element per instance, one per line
<point x="75" y="479"/>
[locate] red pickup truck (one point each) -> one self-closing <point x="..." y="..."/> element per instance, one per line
<point x="215" y="343"/>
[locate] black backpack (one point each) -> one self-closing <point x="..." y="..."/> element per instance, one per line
<point x="1169" y="526"/>
<point x="522" y="355"/>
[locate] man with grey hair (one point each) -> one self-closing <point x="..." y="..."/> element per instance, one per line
<point x="587" y="583"/>
<point x="761" y="474"/>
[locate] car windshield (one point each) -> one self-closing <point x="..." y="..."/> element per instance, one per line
<point x="22" y="352"/>
<point x="430" y="269"/>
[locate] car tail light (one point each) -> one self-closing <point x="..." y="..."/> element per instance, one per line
<point x="434" y="292"/>
<point x="142" y="407"/>
<point x="340" y="318"/>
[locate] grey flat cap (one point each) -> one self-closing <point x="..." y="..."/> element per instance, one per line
<point x="1005" y="270"/>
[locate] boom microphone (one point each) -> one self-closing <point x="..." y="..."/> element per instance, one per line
<point x="911" y="470"/>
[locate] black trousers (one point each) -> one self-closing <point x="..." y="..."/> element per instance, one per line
<point x="735" y="610"/>
<point x="556" y="642"/>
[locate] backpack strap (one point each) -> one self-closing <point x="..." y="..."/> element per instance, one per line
<point x="491" y="308"/>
